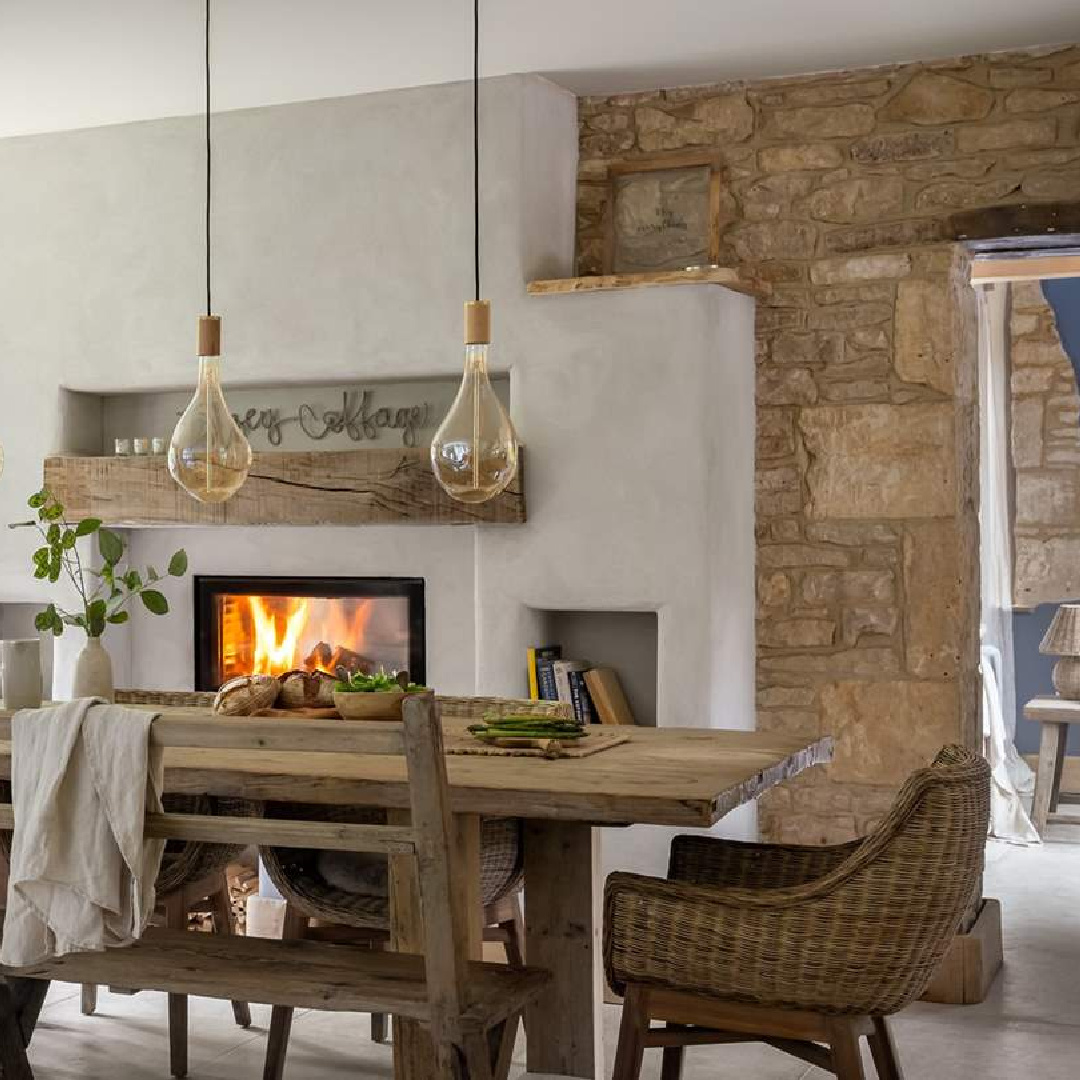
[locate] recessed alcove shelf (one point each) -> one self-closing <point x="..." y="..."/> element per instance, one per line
<point x="727" y="276"/>
<point x="326" y="453"/>
<point x="336" y="487"/>
<point x="627" y="641"/>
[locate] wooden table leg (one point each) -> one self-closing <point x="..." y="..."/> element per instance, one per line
<point x="414" y="1057"/>
<point x="1050" y="747"/>
<point x="562" y="934"/>
<point x="1059" y="768"/>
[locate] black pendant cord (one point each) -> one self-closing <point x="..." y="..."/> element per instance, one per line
<point x="209" y="307"/>
<point x="476" y="147"/>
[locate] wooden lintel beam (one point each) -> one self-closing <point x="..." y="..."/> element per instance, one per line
<point x="988" y="271"/>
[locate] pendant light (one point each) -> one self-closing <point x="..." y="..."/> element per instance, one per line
<point x="208" y="454"/>
<point x="475" y="451"/>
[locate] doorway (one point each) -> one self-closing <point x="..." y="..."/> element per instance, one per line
<point x="1029" y="329"/>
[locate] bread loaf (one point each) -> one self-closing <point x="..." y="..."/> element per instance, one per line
<point x="246" y="695"/>
<point x="307" y="689"/>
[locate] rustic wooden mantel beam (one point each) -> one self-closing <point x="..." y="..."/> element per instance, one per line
<point x="339" y="487"/>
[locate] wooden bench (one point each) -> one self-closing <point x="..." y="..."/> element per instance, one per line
<point x="459" y="1002"/>
<point x="1055" y="715"/>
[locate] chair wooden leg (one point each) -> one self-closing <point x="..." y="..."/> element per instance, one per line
<point x="277" y="1045"/>
<point x="883" y="1049"/>
<point x="29" y="998"/>
<point x="13" y="1063"/>
<point x="631" y="1048"/>
<point x="89" y="999"/>
<point x="476" y="1052"/>
<point x="514" y="929"/>
<point x="221" y="913"/>
<point x="176" y="917"/>
<point x="504" y="1049"/>
<point x="380" y="1022"/>
<point x="846" y="1056"/>
<point x="378" y="1028"/>
<point x="672" y="1066"/>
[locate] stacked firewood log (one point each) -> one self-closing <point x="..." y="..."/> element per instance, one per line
<point x="243" y="879"/>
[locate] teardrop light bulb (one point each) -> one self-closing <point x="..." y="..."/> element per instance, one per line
<point x="208" y="454"/>
<point x="475" y="451"/>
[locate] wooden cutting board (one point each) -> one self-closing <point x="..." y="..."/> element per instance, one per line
<point x="305" y="710"/>
<point x="593" y="743"/>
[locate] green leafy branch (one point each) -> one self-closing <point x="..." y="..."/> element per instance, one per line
<point x="104" y="593"/>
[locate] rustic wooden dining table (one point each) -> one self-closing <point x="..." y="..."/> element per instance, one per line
<point x="679" y="777"/>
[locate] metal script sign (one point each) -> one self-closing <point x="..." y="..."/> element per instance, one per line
<point x="358" y="419"/>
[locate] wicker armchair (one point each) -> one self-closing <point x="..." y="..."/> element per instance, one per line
<point x="799" y="947"/>
<point x="364" y="916"/>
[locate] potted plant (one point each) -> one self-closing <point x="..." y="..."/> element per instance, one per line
<point x="104" y="593"/>
<point x="373" y="697"/>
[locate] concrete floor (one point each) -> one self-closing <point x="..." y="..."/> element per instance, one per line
<point x="1029" y="1026"/>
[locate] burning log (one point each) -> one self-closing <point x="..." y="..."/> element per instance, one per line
<point x="325" y="657"/>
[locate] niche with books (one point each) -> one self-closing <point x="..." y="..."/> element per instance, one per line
<point x="603" y="662"/>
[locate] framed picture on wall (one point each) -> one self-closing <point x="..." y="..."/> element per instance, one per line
<point x="663" y="213"/>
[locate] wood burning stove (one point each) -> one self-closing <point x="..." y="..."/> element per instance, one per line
<point x="247" y="625"/>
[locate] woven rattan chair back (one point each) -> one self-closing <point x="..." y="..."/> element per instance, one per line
<point x="857" y="929"/>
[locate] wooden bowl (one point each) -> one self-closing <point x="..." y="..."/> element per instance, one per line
<point x="377" y="705"/>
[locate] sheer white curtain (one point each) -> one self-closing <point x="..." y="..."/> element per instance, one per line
<point x="1011" y="775"/>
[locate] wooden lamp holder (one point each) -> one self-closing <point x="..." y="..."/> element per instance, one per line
<point x="209" y="335"/>
<point x="478" y="322"/>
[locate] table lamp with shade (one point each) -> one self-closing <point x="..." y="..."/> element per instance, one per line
<point x="1062" y="640"/>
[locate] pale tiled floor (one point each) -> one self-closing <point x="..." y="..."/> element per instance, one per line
<point x="1029" y="1027"/>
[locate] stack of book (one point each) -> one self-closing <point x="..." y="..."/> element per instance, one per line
<point x="595" y="693"/>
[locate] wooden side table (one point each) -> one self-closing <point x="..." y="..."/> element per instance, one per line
<point x="1055" y="715"/>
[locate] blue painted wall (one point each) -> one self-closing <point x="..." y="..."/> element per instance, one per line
<point x="1032" y="668"/>
<point x="1033" y="674"/>
<point x="1064" y="297"/>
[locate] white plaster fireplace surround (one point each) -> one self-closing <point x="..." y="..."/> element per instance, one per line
<point x="343" y="243"/>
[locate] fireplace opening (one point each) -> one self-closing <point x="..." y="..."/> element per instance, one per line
<point x="270" y="625"/>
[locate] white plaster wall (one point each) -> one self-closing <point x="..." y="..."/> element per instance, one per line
<point x="161" y="651"/>
<point x="343" y="249"/>
<point x="638" y="414"/>
<point x="343" y="246"/>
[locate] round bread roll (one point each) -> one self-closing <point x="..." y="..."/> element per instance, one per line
<point x="307" y="689"/>
<point x="247" y="695"/>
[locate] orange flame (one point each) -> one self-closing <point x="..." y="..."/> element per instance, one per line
<point x="278" y="634"/>
<point x="274" y="652"/>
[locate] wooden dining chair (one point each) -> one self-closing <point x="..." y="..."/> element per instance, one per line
<point x="806" y="949"/>
<point x="318" y="908"/>
<point x="469" y="1008"/>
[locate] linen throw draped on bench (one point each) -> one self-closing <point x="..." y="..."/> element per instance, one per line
<point x="81" y="879"/>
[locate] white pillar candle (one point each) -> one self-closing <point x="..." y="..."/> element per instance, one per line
<point x="22" y="674"/>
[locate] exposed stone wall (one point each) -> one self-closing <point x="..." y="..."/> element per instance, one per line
<point x="836" y="188"/>
<point x="1045" y="428"/>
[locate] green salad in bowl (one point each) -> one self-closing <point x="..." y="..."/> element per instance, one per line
<point x="378" y="683"/>
<point x="373" y="697"/>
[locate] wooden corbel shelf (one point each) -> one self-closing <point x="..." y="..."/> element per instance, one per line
<point x="727" y="276"/>
<point x="338" y="487"/>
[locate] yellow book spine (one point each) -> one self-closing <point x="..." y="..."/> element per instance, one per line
<point x="534" y="682"/>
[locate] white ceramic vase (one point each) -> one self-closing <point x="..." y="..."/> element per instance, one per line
<point x="93" y="672"/>
<point x="22" y="674"/>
